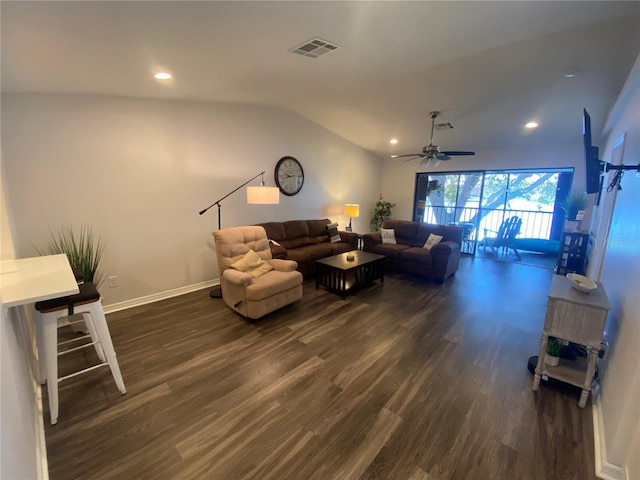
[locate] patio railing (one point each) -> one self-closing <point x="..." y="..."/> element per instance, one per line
<point x="477" y="221"/>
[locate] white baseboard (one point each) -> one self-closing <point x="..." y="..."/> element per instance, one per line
<point x="604" y="470"/>
<point x="41" y="441"/>
<point x="136" y="302"/>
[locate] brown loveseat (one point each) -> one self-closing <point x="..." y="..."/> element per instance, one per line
<point x="306" y="241"/>
<point x="409" y="255"/>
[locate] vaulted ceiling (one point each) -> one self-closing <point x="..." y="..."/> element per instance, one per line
<point x="489" y="67"/>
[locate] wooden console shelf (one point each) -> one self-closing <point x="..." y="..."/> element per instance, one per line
<point x="574" y="253"/>
<point x="579" y="318"/>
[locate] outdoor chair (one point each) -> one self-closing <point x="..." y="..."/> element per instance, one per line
<point x="505" y="237"/>
<point x="468" y="229"/>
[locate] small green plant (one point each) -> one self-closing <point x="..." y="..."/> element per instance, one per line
<point x="574" y="201"/>
<point x="84" y="252"/>
<point x="554" y="347"/>
<point x="381" y="212"/>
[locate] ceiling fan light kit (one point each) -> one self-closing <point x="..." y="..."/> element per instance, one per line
<point x="431" y="154"/>
<point x="429" y="162"/>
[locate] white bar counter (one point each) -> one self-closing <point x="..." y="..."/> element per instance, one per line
<point x="23" y="282"/>
<point x="30" y="280"/>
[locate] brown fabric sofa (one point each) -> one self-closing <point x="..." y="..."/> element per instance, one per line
<point x="306" y="241"/>
<point x="408" y="255"/>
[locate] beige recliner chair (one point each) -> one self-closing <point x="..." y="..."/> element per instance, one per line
<point x="254" y="284"/>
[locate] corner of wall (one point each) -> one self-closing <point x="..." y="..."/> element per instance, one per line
<point x="604" y="470"/>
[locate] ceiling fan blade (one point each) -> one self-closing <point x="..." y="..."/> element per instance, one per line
<point x="408" y="155"/>
<point x="412" y="157"/>
<point x="457" y="153"/>
<point x="442" y="156"/>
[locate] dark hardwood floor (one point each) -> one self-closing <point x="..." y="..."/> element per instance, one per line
<point x="405" y="380"/>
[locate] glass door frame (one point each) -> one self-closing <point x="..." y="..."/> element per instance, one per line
<point x="456" y="216"/>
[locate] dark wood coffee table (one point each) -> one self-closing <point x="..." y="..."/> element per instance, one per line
<point x="342" y="276"/>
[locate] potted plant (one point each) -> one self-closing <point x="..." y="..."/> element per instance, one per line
<point x="381" y="212"/>
<point x="84" y="252"/>
<point x="432" y="186"/>
<point x="554" y="347"/>
<point x="571" y="205"/>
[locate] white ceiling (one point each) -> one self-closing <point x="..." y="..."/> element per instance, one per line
<point x="488" y="66"/>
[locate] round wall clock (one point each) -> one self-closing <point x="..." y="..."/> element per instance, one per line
<point x="289" y="175"/>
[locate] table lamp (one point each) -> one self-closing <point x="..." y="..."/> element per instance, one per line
<point x="351" y="210"/>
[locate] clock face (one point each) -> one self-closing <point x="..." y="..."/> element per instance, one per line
<point x="289" y="176"/>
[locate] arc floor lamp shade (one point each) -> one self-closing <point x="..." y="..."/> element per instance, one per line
<point x="263" y="195"/>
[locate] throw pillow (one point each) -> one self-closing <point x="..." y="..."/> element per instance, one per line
<point x="431" y="241"/>
<point x="252" y="264"/>
<point x="278" y="251"/>
<point x="261" y="269"/>
<point x="388" y="235"/>
<point x="332" y="231"/>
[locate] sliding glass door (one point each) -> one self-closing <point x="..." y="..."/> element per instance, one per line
<point x="481" y="201"/>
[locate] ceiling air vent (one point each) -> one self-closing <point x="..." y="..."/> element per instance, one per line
<point x="444" y="126"/>
<point x="314" y="48"/>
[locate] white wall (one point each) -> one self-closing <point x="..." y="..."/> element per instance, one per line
<point x="139" y="171"/>
<point x="21" y="430"/>
<point x="399" y="176"/>
<point x="617" y="407"/>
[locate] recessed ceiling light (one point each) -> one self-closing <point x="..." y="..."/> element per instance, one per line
<point x="163" y="76"/>
<point x="393" y="156"/>
<point x="571" y="72"/>
<point x="531" y="125"/>
<point x="393" y="140"/>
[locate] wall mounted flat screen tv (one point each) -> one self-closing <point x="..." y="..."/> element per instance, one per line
<point x="593" y="165"/>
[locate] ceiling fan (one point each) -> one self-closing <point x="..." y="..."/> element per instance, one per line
<point x="431" y="153"/>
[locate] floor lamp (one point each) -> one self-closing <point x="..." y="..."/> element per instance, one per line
<point x="256" y="195"/>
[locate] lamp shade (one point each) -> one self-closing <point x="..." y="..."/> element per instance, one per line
<point x="351" y="210"/>
<point x="263" y="195"/>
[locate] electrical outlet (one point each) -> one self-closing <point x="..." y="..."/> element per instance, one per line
<point x="113" y="281"/>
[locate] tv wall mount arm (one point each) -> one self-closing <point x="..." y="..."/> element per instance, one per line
<point x="619" y="169"/>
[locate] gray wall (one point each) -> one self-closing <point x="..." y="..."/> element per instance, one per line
<point x="617" y="417"/>
<point x="139" y="171"/>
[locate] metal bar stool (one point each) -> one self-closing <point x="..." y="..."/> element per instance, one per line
<point x="87" y="303"/>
